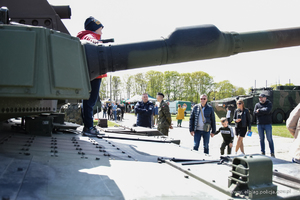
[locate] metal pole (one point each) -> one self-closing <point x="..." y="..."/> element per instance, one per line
<point x="110" y="89"/>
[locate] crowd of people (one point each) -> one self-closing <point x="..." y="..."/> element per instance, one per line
<point x="113" y="111"/>
<point x="202" y="123"/>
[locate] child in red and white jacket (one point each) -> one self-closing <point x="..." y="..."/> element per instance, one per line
<point x="92" y="33"/>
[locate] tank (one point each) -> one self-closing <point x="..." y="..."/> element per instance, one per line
<point x="42" y="65"/>
<point x="283" y="98"/>
<point x="40" y="71"/>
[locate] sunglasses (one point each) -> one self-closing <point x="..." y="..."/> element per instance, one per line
<point x="203" y="99"/>
<point x="239" y="103"/>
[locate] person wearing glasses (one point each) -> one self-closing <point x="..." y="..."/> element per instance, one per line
<point x="202" y="121"/>
<point x="242" y="121"/>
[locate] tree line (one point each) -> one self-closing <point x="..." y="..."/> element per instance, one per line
<point x="174" y="85"/>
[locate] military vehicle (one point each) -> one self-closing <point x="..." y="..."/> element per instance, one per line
<point x="36" y="57"/>
<point x="284" y="99"/>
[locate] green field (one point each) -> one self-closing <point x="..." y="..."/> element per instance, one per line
<point x="109" y="123"/>
<point x="277" y="129"/>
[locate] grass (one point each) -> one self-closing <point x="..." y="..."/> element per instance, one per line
<point x="277" y="129"/>
<point x="109" y="123"/>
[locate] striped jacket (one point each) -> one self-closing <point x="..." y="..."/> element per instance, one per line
<point x="209" y="115"/>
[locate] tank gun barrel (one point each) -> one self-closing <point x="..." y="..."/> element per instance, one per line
<point x="183" y="45"/>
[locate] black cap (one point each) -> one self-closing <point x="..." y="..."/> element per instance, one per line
<point x="161" y="94"/>
<point x="262" y="95"/>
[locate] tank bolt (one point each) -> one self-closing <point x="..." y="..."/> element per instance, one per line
<point x="186" y="176"/>
<point x="20" y="169"/>
<point x="213" y="181"/>
<point x="97" y="158"/>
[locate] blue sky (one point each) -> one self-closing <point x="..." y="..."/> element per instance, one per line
<point x="136" y="20"/>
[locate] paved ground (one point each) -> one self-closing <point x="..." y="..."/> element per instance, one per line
<point x="251" y="143"/>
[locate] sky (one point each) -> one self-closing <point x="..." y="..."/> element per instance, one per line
<point x="129" y="21"/>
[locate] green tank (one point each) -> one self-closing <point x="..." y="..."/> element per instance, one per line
<point x="47" y="55"/>
<point x="283" y="98"/>
<point x="42" y="65"/>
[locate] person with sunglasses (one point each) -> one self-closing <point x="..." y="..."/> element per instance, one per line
<point x="242" y="120"/>
<point x="202" y="121"/>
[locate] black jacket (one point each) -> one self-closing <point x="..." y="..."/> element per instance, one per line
<point x="245" y="116"/>
<point x="144" y="113"/>
<point x="264" y="116"/>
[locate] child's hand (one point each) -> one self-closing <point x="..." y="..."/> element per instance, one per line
<point x="212" y="135"/>
<point x="230" y="145"/>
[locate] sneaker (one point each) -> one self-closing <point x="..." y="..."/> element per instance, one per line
<point x="273" y="155"/>
<point x="263" y="153"/>
<point x="90" y="132"/>
<point x="294" y="160"/>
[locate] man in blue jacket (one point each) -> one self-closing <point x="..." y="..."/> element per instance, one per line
<point x="144" y="110"/>
<point x="199" y="123"/>
<point x="263" y="115"/>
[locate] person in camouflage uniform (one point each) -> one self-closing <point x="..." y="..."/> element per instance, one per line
<point x="164" y="116"/>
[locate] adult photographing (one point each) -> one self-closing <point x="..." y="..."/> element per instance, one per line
<point x="202" y="121"/>
<point x="180" y="114"/>
<point x="242" y="121"/>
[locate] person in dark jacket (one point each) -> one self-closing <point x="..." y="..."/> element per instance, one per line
<point x="144" y="110"/>
<point x="262" y="111"/>
<point x="197" y="123"/>
<point x="242" y="120"/>
<point x="109" y="111"/>
<point x="92" y="33"/>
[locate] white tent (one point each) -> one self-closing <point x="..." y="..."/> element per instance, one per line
<point x="137" y="98"/>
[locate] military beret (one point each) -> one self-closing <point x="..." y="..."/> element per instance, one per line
<point x="161" y="94"/>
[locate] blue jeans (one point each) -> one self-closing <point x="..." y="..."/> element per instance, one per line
<point x="197" y="138"/>
<point x="89" y="104"/>
<point x="262" y="128"/>
<point x="104" y="114"/>
<point x="115" y="114"/>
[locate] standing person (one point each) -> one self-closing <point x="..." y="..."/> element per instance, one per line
<point x="156" y="115"/>
<point x="109" y="111"/>
<point x="228" y="115"/>
<point x="104" y="111"/>
<point x="114" y="110"/>
<point x="293" y="125"/>
<point x="122" y="110"/>
<point x="180" y="114"/>
<point x="242" y="120"/>
<point x="92" y="33"/>
<point x="164" y="115"/>
<point x="202" y="121"/>
<point x="144" y="110"/>
<point x="227" y="134"/>
<point x="262" y="111"/>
